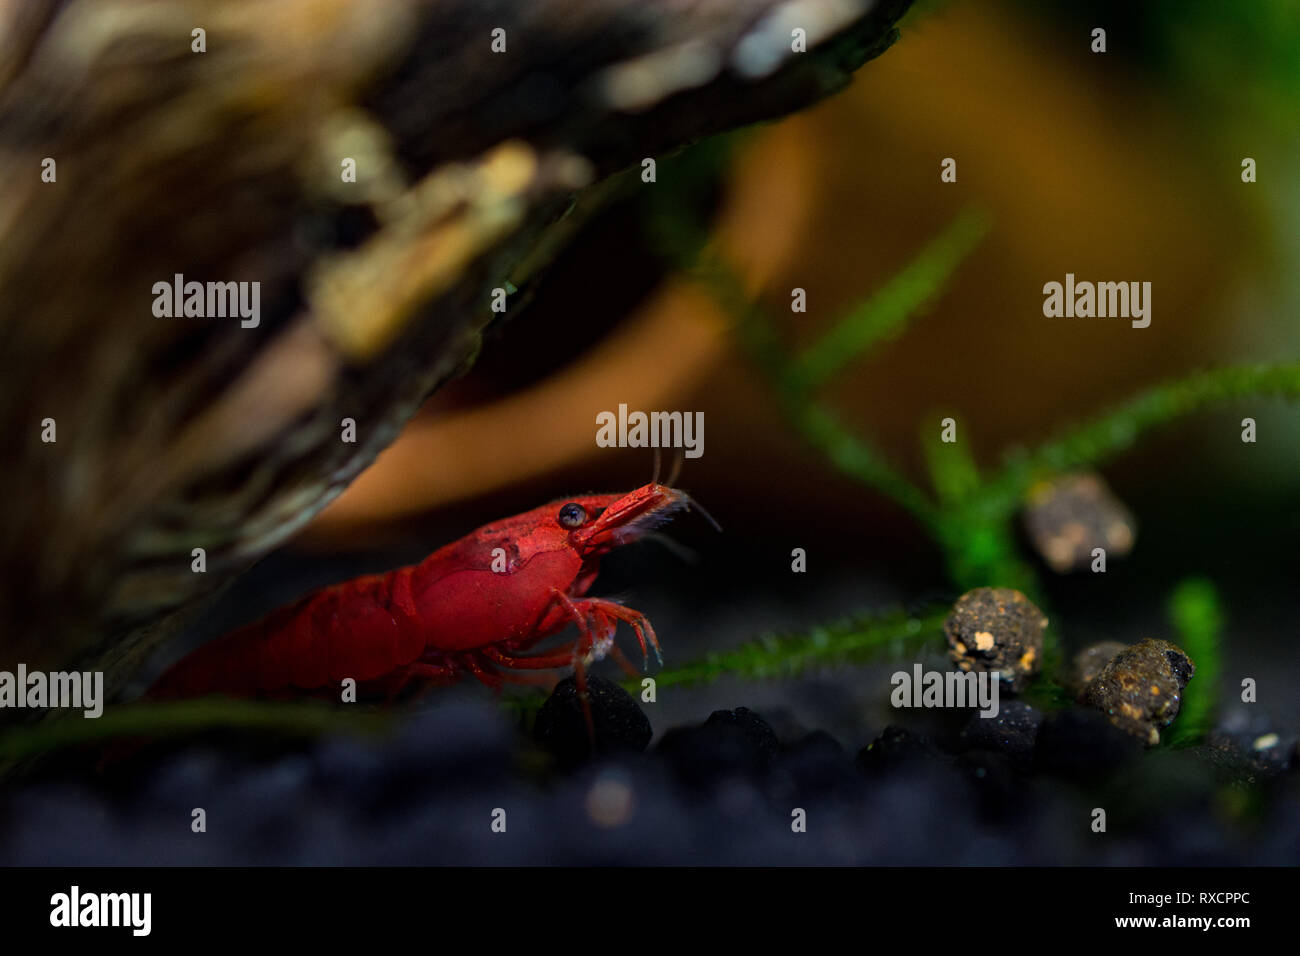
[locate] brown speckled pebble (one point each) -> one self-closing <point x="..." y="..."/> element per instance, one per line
<point x="1088" y="663"/>
<point x="1067" y="517"/>
<point x="1141" y="689"/>
<point x="996" y="629"/>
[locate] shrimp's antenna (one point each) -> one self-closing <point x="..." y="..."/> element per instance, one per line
<point x="654" y="479"/>
<point x="673" y="547"/>
<point x="677" y="467"/>
<point x="693" y="505"/>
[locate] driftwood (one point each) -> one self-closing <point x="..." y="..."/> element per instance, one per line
<point x="472" y="166"/>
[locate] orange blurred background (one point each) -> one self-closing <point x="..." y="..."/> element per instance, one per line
<point x="1085" y="165"/>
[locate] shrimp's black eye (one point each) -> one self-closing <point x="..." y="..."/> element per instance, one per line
<point x="573" y="515"/>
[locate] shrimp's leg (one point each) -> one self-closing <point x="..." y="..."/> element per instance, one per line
<point x="621" y="659"/>
<point x="536" y="662"/>
<point x="429" y="674"/>
<point x="490" y="658"/>
<point x="602" y="610"/>
<point x="483" y="670"/>
<point x="579" y="651"/>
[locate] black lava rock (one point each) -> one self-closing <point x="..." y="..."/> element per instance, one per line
<point x="619" y="723"/>
<point x="788" y="729"/>
<point x="997" y="782"/>
<point x="896" y="747"/>
<point x="1248" y="758"/>
<point x="730" y="743"/>
<point x="756" y="730"/>
<point x="1250" y="745"/>
<point x="1013" y="732"/>
<point x="1082" y="744"/>
<point x="813" y="768"/>
<point x="819" y="742"/>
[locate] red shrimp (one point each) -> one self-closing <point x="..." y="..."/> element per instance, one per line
<point x="473" y="607"/>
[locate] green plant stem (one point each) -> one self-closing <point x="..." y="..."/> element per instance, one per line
<point x="972" y="517"/>
<point x="1093" y="442"/>
<point x="788" y="656"/>
<point x="859" y="459"/>
<point x="1197" y="618"/>
<point x="849" y="453"/>
<point x="887" y="312"/>
<point x="157" y="720"/>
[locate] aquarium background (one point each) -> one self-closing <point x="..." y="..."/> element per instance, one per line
<point x="1115" y="167"/>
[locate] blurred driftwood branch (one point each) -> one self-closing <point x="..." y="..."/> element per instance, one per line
<point x="224" y="165"/>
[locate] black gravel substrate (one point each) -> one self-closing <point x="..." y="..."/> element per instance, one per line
<point x="727" y="790"/>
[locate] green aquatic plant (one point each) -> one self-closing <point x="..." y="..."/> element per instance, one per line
<point x="1196" y="616"/>
<point x="158" y="720"/>
<point x="852" y="640"/>
<point x="971" y="516"/>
